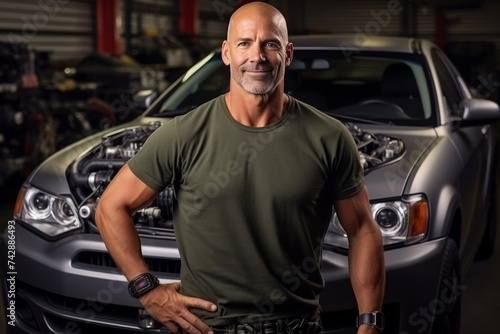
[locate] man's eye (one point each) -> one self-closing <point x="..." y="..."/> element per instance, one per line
<point x="272" y="45"/>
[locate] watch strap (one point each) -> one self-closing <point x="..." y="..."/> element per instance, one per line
<point x="374" y="319"/>
<point x="142" y="284"/>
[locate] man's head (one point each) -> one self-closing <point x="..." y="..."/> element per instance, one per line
<point x="257" y="48"/>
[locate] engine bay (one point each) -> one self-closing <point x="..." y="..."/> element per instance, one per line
<point x="91" y="173"/>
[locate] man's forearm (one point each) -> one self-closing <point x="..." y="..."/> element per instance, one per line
<point x="122" y="241"/>
<point x="367" y="271"/>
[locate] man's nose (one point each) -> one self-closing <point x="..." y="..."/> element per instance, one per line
<point x="257" y="53"/>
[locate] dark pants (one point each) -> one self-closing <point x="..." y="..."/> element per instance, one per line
<point x="296" y="325"/>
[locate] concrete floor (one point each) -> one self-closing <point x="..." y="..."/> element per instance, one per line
<point x="481" y="298"/>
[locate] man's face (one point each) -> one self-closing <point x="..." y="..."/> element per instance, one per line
<point x="257" y="52"/>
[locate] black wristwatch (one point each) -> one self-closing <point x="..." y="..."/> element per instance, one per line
<point x="141" y="284"/>
<point x="374" y="319"/>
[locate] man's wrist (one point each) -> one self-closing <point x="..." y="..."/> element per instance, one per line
<point x="142" y="284"/>
<point x="374" y="320"/>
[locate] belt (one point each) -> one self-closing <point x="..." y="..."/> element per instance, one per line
<point x="296" y="325"/>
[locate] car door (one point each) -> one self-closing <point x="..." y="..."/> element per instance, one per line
<point x="472" y="145"/>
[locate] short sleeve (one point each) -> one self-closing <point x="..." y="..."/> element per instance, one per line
<point x="347" y="174"/>
<point x="155" y="163"/>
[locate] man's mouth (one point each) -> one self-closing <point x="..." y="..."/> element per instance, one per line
<point x="258" y="69"/>
<point x="257" y="72"/>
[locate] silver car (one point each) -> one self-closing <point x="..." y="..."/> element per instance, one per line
<point x="428" y="153"/>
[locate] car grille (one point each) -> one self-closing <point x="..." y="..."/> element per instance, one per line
<point x="39" y="311"/>
<point x="43" y="312"/>
<point x="103" y="262"/>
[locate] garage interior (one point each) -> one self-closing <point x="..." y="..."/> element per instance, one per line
<point x="69" y="69"/>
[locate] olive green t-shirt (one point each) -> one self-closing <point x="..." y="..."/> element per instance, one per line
<point x="252" y="205"/>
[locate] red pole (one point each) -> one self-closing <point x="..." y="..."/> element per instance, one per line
<point x="108" y="25"/>
<point x="440" y="27"/>
<point x="188" y="19"/>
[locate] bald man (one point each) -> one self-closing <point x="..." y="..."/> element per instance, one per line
<point x="250" y="255"/>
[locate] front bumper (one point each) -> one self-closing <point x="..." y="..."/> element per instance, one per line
<point x="71" y="286"/>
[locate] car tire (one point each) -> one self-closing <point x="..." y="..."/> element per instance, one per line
<point x="449" y="300"/>
<point x="487" y="245"/>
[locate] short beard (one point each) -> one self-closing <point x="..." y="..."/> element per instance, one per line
<point x="252" y="88"/>
<point x="257" y="90"/>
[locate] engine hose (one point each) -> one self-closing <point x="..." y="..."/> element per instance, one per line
<point x="81" y="179"/>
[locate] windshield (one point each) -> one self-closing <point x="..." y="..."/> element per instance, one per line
<point x="370" y="87"/>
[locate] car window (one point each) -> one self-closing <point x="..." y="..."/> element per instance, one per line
<point x="375" y="87"/>
<point x="205" y="81"/>
<point x="451" y="92"/>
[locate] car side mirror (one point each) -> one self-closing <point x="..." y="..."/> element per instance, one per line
<point x="476" y="112"/>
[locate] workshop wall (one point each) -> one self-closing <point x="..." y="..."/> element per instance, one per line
<point x="64" y="28"/>
<point x="67" y="27"/>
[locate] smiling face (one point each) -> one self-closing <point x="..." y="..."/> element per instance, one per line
<point x="257" y="48"/>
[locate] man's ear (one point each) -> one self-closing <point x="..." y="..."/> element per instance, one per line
<point x="289" y="54"/>
<point x="225" y="53"/>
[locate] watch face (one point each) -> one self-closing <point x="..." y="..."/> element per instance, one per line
<point x="141" y="284"/>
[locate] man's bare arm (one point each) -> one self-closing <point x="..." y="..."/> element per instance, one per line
<point x="123" y="196"/>
<point x="366" y="255"/>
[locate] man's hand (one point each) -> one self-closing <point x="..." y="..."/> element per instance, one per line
<point x="169" y="307"/>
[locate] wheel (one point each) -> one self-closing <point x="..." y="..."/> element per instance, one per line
<point x="449" y="302"/>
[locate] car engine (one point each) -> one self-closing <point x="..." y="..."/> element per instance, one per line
<point x="375" y="150"/>
<point x="91" y="173"/>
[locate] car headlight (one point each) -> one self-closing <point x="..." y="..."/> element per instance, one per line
<point x="52" y="215"/>
<point x="403" y="221"/>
